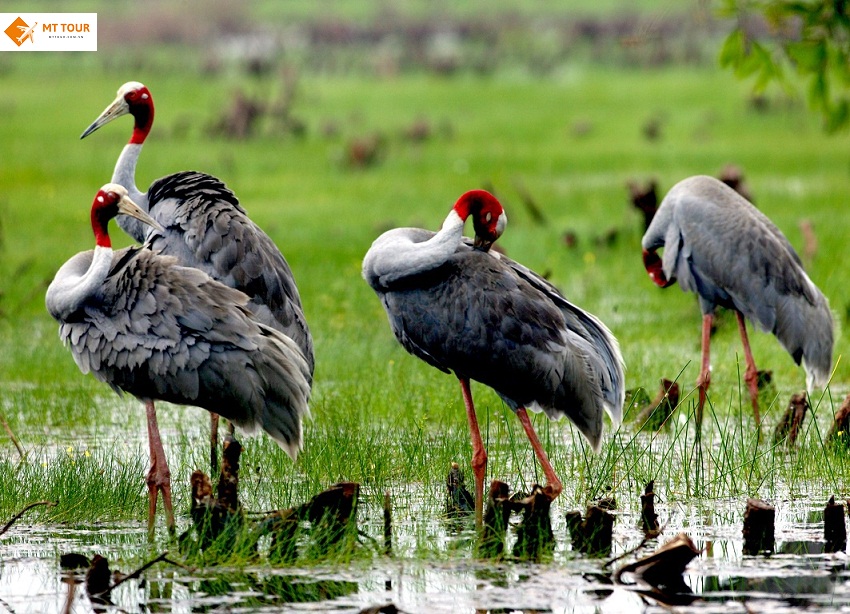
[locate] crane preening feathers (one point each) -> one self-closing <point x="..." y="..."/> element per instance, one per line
<point x="730" y="254"/>
<point x="146" y="325"/>
<point x="464" y="309"/>
<point x="203" y="225"/>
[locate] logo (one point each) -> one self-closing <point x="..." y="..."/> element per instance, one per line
<point x="19" y="31"/>
<point x="48" y="32"/>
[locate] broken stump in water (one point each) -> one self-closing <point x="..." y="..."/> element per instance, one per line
<point x="839" y="432"/>
<point x="655" y="414"/>
<point x="534" y="534"/>
<point x="331" y="515"/>
<point x="791" y="421"/>
<point x="594" y="534"/>
<point x="663" y="568"/>
<point x="648" y="518"/>
<point x="834" y="530"/>
<point x="98" y="579"/>
<point x="459" y="501"/>
<point x="228" y="480"/>
<point x="645" y="199"/>
<point x="759" y="520"/>
<point x="491" y="543"/>
<point x="215" y="516"/>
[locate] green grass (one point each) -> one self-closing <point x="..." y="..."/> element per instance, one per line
<point x="380" y="416"/>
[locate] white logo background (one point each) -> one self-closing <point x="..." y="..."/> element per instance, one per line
<point x="52" y="32"/>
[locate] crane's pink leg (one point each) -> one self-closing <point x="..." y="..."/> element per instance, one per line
<point x="553" y="484"/>
<point x="213" y="444"/>
<point x="704" y="378"/>
<point x="159" y="476"/>
<point x="751" y="375"/>
<point x="479" y="454"/>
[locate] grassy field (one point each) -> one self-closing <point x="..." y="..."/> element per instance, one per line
<point x="380" y="416"/>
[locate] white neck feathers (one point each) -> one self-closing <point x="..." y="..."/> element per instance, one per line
<point x="71" y="287"/>
<point x="394" y="255"/>
<point x="125" y="173"/>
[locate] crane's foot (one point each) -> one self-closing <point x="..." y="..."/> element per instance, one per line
<point x="553" y="488"/>
<point x="479" y="470"/>
<point x="159" y="481"/>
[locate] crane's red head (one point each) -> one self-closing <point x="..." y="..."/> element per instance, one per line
<point x="654" y="267"/>
<point x="488" y="216"/>
<point x="133" y="98"/>
<point x="112" y="200"/>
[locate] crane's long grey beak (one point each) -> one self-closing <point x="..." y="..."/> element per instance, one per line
<point x="128" y="207"/>
<point x="117" y="108"/>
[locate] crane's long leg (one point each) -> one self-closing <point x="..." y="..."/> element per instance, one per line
<point x="704" y="378"/>
<point x="213" y="444"/>
<point x="159" y="476"/>
<point x="751" y="375"/>
<point x="553" y="484"/>
<point x="479" y="454"/>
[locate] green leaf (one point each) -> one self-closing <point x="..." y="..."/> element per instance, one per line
<point x="808" y="56"/>
<point x="732" y="52"/>
<point x="838" y="117"/>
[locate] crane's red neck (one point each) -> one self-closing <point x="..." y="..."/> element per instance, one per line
<point x="140" y="103"/>
<point x="103" y="209"/>
<point x="654" y="267"/>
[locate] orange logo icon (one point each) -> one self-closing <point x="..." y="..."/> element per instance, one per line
<point x="19" y="31"/>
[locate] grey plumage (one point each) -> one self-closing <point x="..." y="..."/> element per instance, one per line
<point x="162" y="331"/>
<point x="205" y="227"/>
<point x="490" y="319"/>
<point x="729" y="253"/>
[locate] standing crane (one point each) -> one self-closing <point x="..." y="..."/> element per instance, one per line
<point x="462" y="308"/>
<point x="145" y="325"/>
<point x="205" y="227"/>
<point x="730" y="254"/>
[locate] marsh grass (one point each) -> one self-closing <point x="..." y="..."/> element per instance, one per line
<point x="380" y="417"/>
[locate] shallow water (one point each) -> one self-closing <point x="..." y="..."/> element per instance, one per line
<point x="798" y="575"/>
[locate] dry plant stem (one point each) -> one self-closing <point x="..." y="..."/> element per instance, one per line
<point x="479" y="455"/>
<point x="28" y="507"/>
<point x="138" y="572"/>
<point x="68" y="608"/>
<point x="751" y="374"/>
<point x="12" y="436"/>
<point x="388" y="524"/>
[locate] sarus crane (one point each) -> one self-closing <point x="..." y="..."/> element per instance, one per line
<point x="148" y="326"/>
<point x="464" y="308"/>
<point x="205" y="227"/>
<point x="720" y="246"/>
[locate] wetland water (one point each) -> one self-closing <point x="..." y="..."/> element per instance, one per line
<point x="798" y="575"/>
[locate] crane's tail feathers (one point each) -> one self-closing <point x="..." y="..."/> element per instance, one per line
<point x="287" y="394"/>
<point x="807" y="331"/>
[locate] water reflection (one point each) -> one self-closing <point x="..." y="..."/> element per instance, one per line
<point x="799" y="574"/>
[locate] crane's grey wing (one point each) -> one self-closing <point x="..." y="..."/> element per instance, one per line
<point x="475" y="316"/>
<point x="732" y="255"/>
<point x="604" y="358"/>
<point x="162" y="331"/>
<point x="206" y="228"/>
